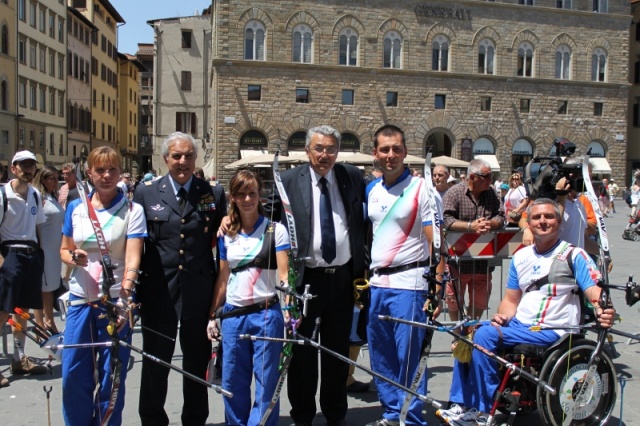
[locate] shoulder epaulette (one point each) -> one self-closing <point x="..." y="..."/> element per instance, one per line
<point x="148" y="183"/>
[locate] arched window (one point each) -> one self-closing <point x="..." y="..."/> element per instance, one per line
<point x="4" y="96"/>
<point x="348" y="47"/>
<point x="486" y="56"/>
<point x="525" y="60"/>
<point x="5" y="40"/>
<point x="440" y="54"/>
<point x="302" y="44"/>
<point x="392" y="50"/>
<point x="563" y="62"/>
<point x="598" y="65"/>
<point x="254" y="35"/>
<point x="521" y="153"/>
<point x="483" y="146"/>
<point x="597" y="150"/>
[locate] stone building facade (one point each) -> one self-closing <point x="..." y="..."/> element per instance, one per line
<point x="464" y="78"/>
<point x="181" y="85"/>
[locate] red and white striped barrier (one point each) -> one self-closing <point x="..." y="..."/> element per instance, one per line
<point x="497" y="244"/>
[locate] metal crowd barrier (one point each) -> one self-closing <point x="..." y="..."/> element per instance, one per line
<point x="494" y="247"/>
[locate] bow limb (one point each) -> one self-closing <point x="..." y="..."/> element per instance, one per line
<point x="288" y="278"/>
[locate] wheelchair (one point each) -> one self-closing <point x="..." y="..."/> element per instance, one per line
<point x="562" y="366"/>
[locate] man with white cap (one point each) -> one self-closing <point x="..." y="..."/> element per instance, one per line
<point x="21" y="273"/>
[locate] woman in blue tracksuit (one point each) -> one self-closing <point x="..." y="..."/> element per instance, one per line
<point x="253" y="258"/>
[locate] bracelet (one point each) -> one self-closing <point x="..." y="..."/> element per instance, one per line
<point x="135" y="282"/>
<point x="212" y="317"/>
<point x="469" y="226"/>
<point x="130" y="290"/>
<point x="137" y="271"/>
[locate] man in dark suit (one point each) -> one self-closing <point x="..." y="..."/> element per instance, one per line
<point x="183" y="214"/>
<point x="332" y="247"/>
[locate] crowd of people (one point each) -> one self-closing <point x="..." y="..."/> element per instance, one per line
<point x="204" y="267"/>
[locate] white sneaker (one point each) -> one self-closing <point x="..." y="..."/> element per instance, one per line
<point x="448" y="416"/>
<point x="472" y="417"/>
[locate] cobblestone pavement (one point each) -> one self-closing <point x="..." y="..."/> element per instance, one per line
<point x="25" y="403"/>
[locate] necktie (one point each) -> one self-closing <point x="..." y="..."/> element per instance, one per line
<point x="182" y="198"/>
<point x="327" y="228"/>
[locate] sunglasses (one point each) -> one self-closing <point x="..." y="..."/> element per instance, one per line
<point x="485" y="176"/>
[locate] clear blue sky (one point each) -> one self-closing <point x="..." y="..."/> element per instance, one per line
<point x="136" y="13"/>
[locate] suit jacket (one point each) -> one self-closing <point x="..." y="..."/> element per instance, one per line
<point x="178" y="263"/>
<point x="297" y="185"/>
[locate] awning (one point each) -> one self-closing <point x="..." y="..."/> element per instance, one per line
<point x="355" y="158"/>
<point x="599" y="165"/>
<point x="246" y="153"/>
<point x="491" y="159"/>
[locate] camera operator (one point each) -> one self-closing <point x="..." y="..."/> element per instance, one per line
<point x="579" y="220"/>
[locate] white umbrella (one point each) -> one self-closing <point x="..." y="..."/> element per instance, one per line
<point x="263" y="160"/>
<point x="443" y="160"/>
<point x="355" y="158"/>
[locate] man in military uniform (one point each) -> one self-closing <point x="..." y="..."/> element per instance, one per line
<point x="183" y="213"/>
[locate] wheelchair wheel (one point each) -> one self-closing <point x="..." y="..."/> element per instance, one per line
<point x="564" y="370"/>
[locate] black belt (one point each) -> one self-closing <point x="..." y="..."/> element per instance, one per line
<point x="251" y="309"/>
<point x="24" y="247"/>
<point x="327" y="269"/>
<point x="401" y="268"/>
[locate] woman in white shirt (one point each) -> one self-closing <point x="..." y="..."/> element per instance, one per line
<point x="253" y="258"/>
<point x="515" y="202"/>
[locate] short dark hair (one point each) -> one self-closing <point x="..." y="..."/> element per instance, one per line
<point x="388" y="130"/>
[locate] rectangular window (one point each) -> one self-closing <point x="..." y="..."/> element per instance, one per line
<point x="22" y="51"/>
<point x="43" y="60"/>
<point x="41" y="139"/>
<point x="636" y="115"/>
<point x="32" y="97"/>
<point x="254" y="92"/>
<point x="43" y="99"/>
<point x="60" y="67"/>
<point x="22" y="94"/>
<point x="347" y="97"/>
<point x="562" y="107"/>
<point x="43" y="20"/>
<point x="52" y="63"/>
<point x="21" y="136"/>
<point x="5" y="137"/>
<point x="392" y="99"/>
<point x="302" y="96"/>
<point x="95" y="98"/>
<point x="61" y="104"/>
<point x="103" y="43"/>
<point x="32" y="55"/>
<point x="60" y="30"/>
<point x="637" y="31"/>
<point x="526" y="2"/>
<point x="94" y="66"/>
<point x="52" y="101"/>
<point x="32" y="14"/>
<point x="103" y="103"/>
<point x="22" y="16"/>
<point x="600" y="6"/>
<point x="186" y="39"/>
<point x="186" y="122"/>
<point x="485" y="103"/>
<point x="598" y="108"/>
<point x="52" y="26"/>
<point x="440" y="102"/>
<point x="636" y="71"/>
<point x="32" y="138"/>
<point x="185" y="80"/>
<point x="525" y="105"/>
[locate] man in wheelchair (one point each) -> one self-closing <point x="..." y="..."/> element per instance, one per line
<point x="542" y="290"/>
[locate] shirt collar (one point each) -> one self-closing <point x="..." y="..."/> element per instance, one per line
<point x="176" y="186"/>
<point x="315" y="177"/>
<point x="405" y="174"/>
